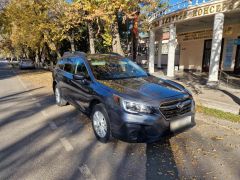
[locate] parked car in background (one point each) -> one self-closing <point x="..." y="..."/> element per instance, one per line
<point x="3" y="60"/>
<point x="26" y="64"/>
<point x="122" y="99"/>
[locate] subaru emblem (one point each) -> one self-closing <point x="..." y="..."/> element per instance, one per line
<point x="180" y="105"/>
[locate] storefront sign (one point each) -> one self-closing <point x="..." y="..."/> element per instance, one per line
<point x="191" y="13"/>
<point x="228" y="54"/>
<point x="165" y="48"/>
<point x="202" y="34"/>
<point x="237" y="41"/>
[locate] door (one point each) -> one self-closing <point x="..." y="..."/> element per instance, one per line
<point x="207" y="55"/>
<point x="81" y="91"/>
<point x="237" y="59"/>
<point x="66" y="80"/>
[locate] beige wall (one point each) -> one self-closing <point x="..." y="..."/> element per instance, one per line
<point x="191" y="51"/>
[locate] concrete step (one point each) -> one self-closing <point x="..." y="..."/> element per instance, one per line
<point x="226" y="107"/>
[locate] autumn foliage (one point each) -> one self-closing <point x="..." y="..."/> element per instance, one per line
<point x="43" y="29"/>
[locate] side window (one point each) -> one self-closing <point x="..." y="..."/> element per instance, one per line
<point x="69" y="66"/>
<point x="81" y="69"/>
<point x="60" y="64"/>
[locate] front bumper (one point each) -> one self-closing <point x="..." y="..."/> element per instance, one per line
<point x="143" y="128"/>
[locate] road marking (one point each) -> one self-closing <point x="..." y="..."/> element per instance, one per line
<point x="38" y="104"/>
<point x="24" y="86"/>
<point x="53" y="125"/>
<point x="86" y="172"/>
<point x="66" y="144"/>
<point x="44" y="113"/>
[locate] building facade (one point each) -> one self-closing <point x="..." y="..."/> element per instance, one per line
<point x="201" y="35"/>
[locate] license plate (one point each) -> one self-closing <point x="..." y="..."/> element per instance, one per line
<point x="180" y="123"/>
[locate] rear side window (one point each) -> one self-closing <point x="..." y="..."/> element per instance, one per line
<point x="60" y="64"/>
<point x="81" y="69"/>
<point x="69" y="65"/>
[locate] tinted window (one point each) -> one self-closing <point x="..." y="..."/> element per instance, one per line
<point x="69" y="65"/>
<point x="81" y="69"/>
<point x="60" y="64"/>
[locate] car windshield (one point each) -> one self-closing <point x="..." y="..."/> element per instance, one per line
<point x="115" y="68"/>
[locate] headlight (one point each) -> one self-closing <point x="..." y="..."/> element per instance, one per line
<point x="134" y="107"/>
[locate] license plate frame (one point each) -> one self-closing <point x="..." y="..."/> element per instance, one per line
<point x="180" y="123"/>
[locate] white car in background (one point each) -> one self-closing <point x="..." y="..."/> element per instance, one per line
<point x="26" y="64"/>
<point x="3" y="60"/>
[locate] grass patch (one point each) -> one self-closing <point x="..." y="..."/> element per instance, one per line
<point x="218" y="113"/>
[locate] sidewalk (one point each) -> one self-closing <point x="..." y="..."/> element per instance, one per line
<point x="222" y="98"/>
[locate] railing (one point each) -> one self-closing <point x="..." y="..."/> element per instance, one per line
<point x="228" y="80"/>
<point x="182" y="4"/>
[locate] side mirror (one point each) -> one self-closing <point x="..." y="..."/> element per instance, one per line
<point x="78" y="77"/>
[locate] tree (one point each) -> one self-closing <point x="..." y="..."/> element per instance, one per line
<point x="46" y="28"/>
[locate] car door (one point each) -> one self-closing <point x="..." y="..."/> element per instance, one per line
<point x="67" y="78"/>
<point x="81" y="92"/>
<point x="59" y="72"/>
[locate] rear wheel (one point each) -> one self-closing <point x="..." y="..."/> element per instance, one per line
<point x="100" y="123"/>
<point x="58" y="96"/>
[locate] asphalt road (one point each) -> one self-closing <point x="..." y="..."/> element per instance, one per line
<point x="39" y="140"/>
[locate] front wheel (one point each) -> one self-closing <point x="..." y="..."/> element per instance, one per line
<point x="100" y="123"/>
<point x="58" y="96"/>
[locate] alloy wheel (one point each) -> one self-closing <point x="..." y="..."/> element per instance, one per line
<point x="100" y="124"/>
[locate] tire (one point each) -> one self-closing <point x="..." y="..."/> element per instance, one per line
<point x="58" y="97"/>
<point x="103" y="133"/>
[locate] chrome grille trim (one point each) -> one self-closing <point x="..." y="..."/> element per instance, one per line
<point x="171" y="109"/>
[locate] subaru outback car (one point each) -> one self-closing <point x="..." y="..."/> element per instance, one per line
<point x="122" y="100"/>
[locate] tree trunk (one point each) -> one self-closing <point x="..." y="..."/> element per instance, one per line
<point x="37" y="58"/>
<point x="116" y="43"/>
<point x="91" y="38"/>
<point x="58" y="54"/>
<point x="135" y="37"/>
<point x="71" y="40"/>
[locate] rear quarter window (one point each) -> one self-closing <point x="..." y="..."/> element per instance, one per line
<point x="69" y="65"/>
<point x="60" y="64"/>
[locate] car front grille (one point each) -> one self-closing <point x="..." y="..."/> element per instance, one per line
<point x="171" y="109"/>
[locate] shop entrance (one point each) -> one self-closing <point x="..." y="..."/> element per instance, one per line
<point x="207" y="55"/>
<point x="237" y="60"/>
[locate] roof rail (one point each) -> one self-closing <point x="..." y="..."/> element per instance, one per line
<point x="75" y="53"/>
<point x="113" y="53"/>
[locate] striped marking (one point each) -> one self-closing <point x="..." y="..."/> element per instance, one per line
<point x="24" y="86"/>
<point x="87" y="174"/>
<point x="53" y="126"/>
<point x="66" y="144"/>
<point x="38" y="105"/>
<point x="44" y="113"/>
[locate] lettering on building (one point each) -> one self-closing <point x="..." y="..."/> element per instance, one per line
<point x="191" y="13"/>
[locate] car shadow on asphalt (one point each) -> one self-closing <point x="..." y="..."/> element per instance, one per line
<point x="156" y="161"/>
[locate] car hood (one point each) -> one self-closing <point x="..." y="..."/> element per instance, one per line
<point x="145" y="89"/>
